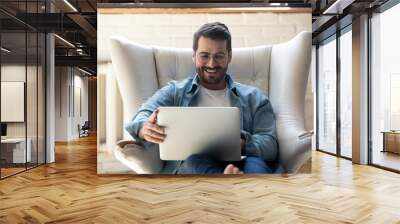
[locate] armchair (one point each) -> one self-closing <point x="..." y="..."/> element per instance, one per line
<point x="280" y="71"/>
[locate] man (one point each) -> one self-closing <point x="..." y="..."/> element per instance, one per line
<point x="212" y="86"/>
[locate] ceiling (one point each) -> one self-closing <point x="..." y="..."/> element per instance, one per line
<point x="76" y="21"/>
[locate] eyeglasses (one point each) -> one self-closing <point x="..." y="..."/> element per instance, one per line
<point x="205" y="57"/>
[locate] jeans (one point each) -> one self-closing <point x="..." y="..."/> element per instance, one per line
<point x="203" y="164"/>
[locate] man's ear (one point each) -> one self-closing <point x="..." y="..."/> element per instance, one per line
<point x="194" y="57"/>
<point x="229" y="56"/>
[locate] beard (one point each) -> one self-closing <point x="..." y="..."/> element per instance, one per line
<point x="212" y="76"/>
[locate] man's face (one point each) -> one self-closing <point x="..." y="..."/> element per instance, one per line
<point x="211" y="60"/>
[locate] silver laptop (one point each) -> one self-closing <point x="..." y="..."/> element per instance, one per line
<point x="192" y="130"/>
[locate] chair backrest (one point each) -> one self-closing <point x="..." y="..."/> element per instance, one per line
<point x="248" y="66"/>
<point x="280" y="71"/>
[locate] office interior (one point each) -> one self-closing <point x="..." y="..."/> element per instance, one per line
<point x="49" y="86"/>
<point x="48" y="79"/>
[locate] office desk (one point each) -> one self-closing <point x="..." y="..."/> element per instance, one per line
<point x="13" y="150"/>
<point x="391" y="141"/>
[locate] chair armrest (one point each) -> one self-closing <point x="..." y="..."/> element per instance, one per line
<point x="294" y="148"/>
<point x="307" y="134"/>
<point x="140" y="160"/>
<point x="123" y="143"/>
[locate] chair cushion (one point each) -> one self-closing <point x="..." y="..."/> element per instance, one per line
<point x="173" y="64"/>
<point x="248" y="66"/>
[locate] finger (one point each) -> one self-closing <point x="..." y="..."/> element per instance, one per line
<point x="155" y="134"/>
<point x="153" y="117"/>
<point x="236" y="170"/>
<point x="153" y="140"/>
<point x="156" y="128"/>
<point x="228" y="169"/>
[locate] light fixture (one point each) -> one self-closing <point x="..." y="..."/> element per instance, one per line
<point x="64" y="40"/>
<point x="275" y="4"/>
<point x="338" y="6"/>
<point x="84" y="71"/>
<point x="271" y="7"/>
<point x="5" y="50"/>
<point x="70" y="5"/>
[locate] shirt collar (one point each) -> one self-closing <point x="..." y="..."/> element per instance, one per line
<point x="229" y="82"/>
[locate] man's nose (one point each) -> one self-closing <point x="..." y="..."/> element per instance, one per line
<point x="211" y="62"/>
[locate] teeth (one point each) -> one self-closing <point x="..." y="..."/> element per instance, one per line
<point x="211" y="70"/>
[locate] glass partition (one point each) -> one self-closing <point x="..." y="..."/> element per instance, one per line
<point x="22" y="77"/>
<point x="13" y="94"/>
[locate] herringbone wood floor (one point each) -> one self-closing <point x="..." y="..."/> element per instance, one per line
<point x="70" y="191"/>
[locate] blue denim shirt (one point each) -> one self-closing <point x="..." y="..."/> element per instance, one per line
<point x="257" y="121"/>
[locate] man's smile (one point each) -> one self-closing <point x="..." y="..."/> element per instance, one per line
<point x="212" y="71"/>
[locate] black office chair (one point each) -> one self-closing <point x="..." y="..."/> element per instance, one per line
<point x="84" y="130"/>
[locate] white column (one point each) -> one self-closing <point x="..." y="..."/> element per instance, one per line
<point x="50" y="99"/>
<point x="360" y="90"/>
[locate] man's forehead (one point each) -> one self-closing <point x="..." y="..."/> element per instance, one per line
<point x="205" y="42"/>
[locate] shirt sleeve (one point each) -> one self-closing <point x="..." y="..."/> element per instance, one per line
<point x="263" y="141"/>
<point x="163" y="97"/>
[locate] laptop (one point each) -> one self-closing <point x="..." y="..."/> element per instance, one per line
<point x="191" y="130"/>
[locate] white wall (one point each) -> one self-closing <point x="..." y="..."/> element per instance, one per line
<point x="33" y="127"/>
<point x="70" y="84"/>
<point x="17" y="73"/>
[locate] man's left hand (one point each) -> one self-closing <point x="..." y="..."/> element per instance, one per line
<point x="242" y="144"/>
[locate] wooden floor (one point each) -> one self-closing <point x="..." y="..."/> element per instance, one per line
<point x="70" y="191"/>
<point x="386" y="159"/>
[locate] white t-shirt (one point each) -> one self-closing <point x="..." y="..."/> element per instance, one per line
<point x="212" y="98"/>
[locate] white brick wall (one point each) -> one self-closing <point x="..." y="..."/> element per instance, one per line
<point x="176" y="30"/>
<point x="261" y="18"/>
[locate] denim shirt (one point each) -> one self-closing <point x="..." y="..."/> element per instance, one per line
<point x="257" y="120"/>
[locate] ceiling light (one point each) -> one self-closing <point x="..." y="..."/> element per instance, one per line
<point x="5" y="50"/>
<point x="275" y="4"/>
<point x="338" y="6"/>
<point x="65" y="41"/>
<point x="272" y="7"/>
<point x="70" y="5"/>
<point x="84" y="71"/>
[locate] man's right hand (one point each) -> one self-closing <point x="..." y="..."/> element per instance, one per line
<point x="150" y="131"/>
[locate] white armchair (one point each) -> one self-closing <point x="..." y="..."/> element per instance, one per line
<point x="280" y="71"/>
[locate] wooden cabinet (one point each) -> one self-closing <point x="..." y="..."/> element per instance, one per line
<point x="391" y="142"/>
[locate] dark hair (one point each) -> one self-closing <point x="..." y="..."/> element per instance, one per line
<point x="214" y="31"/>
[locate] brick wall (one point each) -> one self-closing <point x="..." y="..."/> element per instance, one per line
<point x="176" y="30"/>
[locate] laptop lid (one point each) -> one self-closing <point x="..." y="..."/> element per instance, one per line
<point x="193" y="130"/>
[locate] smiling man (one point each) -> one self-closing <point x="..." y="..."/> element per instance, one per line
<point x="212" y="86"/>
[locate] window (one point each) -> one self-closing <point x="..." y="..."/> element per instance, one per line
<point x="346" y="93"/>
<point x="327" y="96"/>
<point x="385" y="88"/>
